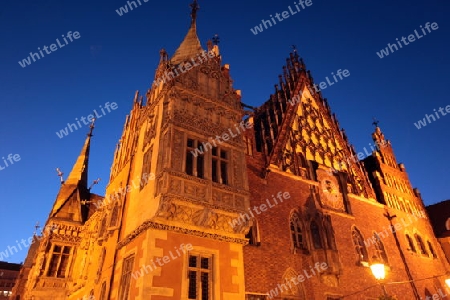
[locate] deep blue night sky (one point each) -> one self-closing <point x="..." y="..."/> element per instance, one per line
<point x="117" y="55"/>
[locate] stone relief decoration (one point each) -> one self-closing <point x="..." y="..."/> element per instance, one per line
<point x="177" y="150"/>
<point x="167" y="210"/>
<point x="330" y="280"/>
<point x="330" y="195"/>
<point x="204" y="217"/>
<point x="150" y="131"/>
<point x="293" y="290"/>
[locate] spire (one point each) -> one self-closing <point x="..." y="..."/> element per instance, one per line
<point x="190" y="46"/>
<point x="79" y="172"/>
<point x="68" y="203"/>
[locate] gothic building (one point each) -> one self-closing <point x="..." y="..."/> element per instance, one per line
<point x="210" y="200"/>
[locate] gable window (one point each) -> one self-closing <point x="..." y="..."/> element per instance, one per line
<point x="59" y="261"/>
<point x="195" y="158"/>
<point x="125" y="279"/>
<point x="422" y="248"/>
<point x="219" y="166"/>
<point x="200" y="277"/>
<point x="316" y="236"/>
<point x="410" y="243"/>
<point x="296" y="232"/>
<point x="360" y="247"/>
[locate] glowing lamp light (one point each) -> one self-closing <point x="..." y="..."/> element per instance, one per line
<point x="447" y="282"/>
<point x="378" y="269"/>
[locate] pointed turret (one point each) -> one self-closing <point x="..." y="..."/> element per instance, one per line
<point x="190" y="46"/>
<point x="68" y="204"/>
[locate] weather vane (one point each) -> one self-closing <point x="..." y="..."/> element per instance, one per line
<point x="216" y="39"/>
<point x="375" y="122"/>
<point x="96" y="181"/>
<point x="91" y="126"/>
<point x="60" y="174"/>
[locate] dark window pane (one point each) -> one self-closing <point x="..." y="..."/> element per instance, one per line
<point x="192" y="284"/>
<point x="200" y="166"/>
<point x="205" y="286"/>
<point x="224" y="172"/>
<point x="189" y="163"/>
<point x="190" y="143"/>
<point x="214" y="151"/>
<point x="215" y="178"/>
<point x="192" y="261"/>
<point x="204" y="263"/>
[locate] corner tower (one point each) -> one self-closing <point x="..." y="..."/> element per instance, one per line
<point x="181" y="161"/>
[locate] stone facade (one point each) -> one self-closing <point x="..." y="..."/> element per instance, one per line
<point x="207" y="200"/>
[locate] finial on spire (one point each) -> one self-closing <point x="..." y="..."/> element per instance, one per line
<point x="194" y="8"/>
<point x="92" y="126"/>
<point x="96" y="181"/>
<point x="60" y="174"/>
<point x="294" y="47"/>
<point x="216" y="39"/>
<point x="36" y="227"/>
<point x="375" y="122"/>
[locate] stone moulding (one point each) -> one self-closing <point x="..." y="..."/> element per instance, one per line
<point x="153" y="225"/>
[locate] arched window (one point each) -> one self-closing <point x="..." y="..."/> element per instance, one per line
<point x="422" y="248"/>
<point x="316" y="236"/>
<point x="358" y="243"/>
<point x="329" y="232"/>
<point x="379" y="248"/>
<point x="114" y="215"/>
<point x="296" y="232"/>
<point x="411" y="243"/>
<point x="447" y="224"/>
<point x="253" y="234"/>
<point x="430" y="246"/>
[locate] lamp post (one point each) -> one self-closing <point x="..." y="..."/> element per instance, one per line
<point x="402" y="255"/>
<point x="379" y="272"/>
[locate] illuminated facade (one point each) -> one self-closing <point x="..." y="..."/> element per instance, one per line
<point x="209" y="201"/>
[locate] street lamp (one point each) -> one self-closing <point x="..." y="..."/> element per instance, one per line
<point x="379" y="272"/>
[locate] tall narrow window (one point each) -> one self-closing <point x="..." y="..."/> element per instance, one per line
<point x="103" y="291"/>
<point x="195" y="159"/>
<point x="125" y="279"/>
<point x="200" y="277"/>
<point x="219" y="165"/>
<point x="146" y="166"/>
<point x="114" y="215"/>
<point x="253" y="234"/>
<point x="422" y="248"/>
<point x="379" y="248"/>
<point x="316" y="236"/>
<point x="296" y="232"/>
<point x="430" y="246"/>
<point x="411" y="243"/>
<point x="102" y="228"/>
<point x="59" y="261"/>
<point x="358" y="243"/>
